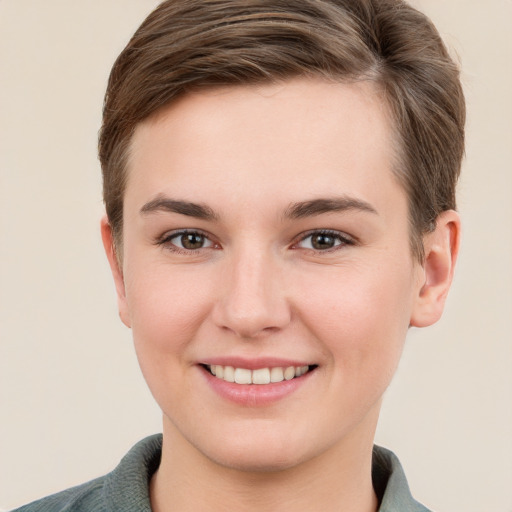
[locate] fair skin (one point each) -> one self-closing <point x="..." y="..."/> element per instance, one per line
<point x="296" y="253"/>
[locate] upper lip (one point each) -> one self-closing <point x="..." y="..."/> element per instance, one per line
<point x="254" y="363"/>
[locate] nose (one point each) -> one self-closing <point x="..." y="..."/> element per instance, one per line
<point x="253" y="298"/>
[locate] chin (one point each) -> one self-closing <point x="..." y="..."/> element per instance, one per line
<point x="258" y="460"/>
<point x="260" y="451"/>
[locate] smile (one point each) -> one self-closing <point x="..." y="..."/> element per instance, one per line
<point x="259" y="375"/>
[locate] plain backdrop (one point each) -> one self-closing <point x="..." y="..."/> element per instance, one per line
<point x="72" y="400"/>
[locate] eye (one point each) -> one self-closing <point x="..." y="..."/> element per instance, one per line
<point x="187" y="240"/>
<point x="323" y="240"/>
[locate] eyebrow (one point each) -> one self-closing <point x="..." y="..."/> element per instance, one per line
<point x="327" y="205"/>
<point x="297" y="210"/>
<point x="165" y="204"/>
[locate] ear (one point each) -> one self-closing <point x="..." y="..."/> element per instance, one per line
<point x="441" y="250"/>
<point x="117" y="272"/>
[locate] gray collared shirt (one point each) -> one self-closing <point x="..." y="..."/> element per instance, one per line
<point x="126" y="488"/>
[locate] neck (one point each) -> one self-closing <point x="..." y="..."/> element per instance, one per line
<point x="336" y="481"/>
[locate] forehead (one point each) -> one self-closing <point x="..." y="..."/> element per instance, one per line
<point x="303" y="135"/>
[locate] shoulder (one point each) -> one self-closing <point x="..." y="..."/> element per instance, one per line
<point x="126" y="488"/>
<point x="83" y="497"/>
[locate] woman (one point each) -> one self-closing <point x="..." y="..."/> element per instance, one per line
<point x="279" y="184"/>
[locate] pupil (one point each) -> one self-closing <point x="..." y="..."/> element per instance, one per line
<point x="323" y="241"/>
<point x="192" y="241"/>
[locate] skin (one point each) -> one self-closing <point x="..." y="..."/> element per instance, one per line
<point x="258" y="287"/>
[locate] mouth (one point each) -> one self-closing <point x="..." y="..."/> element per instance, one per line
<point x="258" y="376"/>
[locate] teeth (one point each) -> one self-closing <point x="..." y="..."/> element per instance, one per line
<point x="276" y="375"/>
<point x="259" y="376"/>
<point x="289" y="373"/>
<point x="229" y="373"/>
<point x="300" y="370"/>
<point x="243" y="376"/>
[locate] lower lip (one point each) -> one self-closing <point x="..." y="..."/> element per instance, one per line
<point x="254" y="395"/>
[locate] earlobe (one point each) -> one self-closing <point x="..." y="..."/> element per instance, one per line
<point x="441" y="250"/>
<point x="117" y="272"/>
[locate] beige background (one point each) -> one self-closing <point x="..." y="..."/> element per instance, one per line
<point x="72" y="400"/>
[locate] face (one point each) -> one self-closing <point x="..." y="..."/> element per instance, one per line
<point x="266" y="241"/>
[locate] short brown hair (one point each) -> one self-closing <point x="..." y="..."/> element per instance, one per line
<point x="188" y="44"/>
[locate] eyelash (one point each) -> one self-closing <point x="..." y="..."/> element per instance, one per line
<point x="166" y="241"/>
<point x="339" y="237"/>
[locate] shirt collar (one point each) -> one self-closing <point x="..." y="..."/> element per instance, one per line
<point x="127" y="487"/>
<point x="390" y="483"/>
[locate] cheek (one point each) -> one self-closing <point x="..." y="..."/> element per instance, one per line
<point x="167" y="306"/>
<point x="361" y="315"/>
